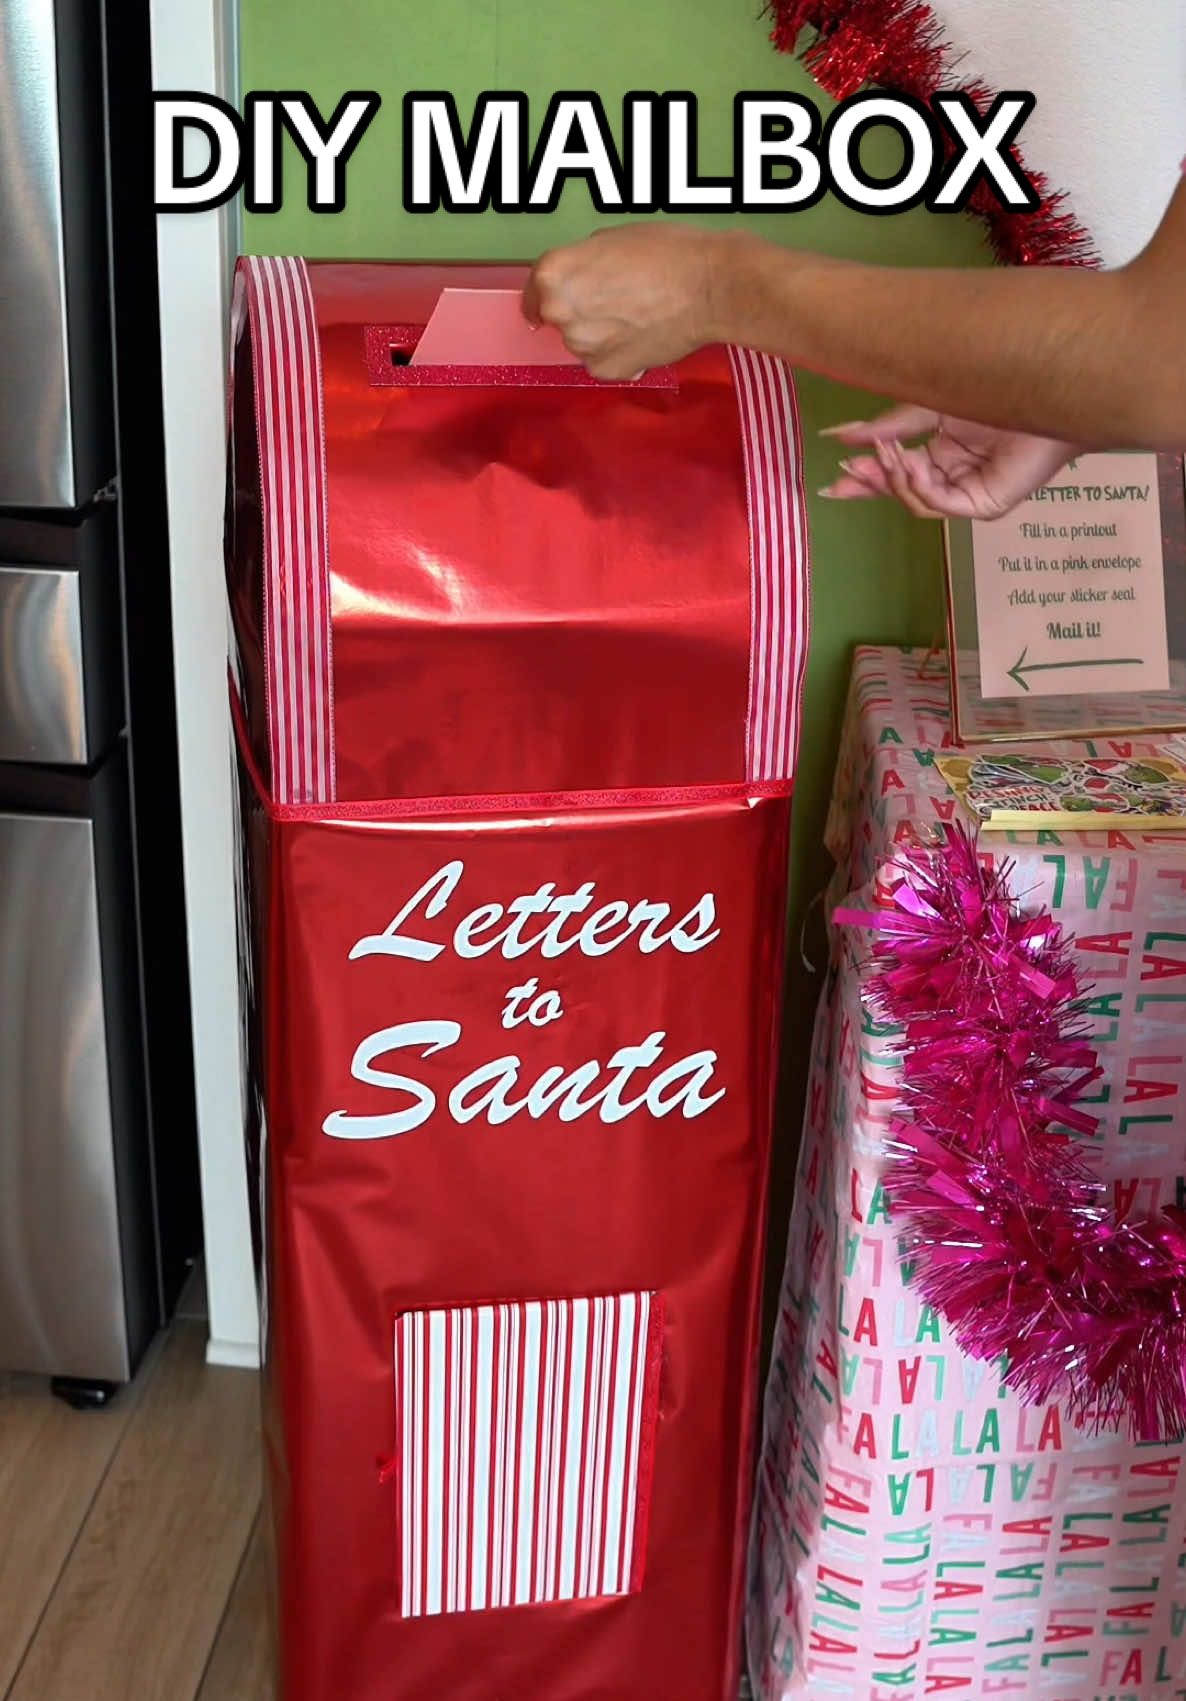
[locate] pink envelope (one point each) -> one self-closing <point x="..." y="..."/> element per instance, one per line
<point x="486" y="327"/>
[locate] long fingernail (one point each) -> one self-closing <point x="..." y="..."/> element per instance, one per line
<point x="837" y="430"/>
<point x="829" y="491"/>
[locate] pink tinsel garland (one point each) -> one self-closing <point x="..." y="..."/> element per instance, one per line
<point x="999" y="1205"/>
<point x="900" y="45"/>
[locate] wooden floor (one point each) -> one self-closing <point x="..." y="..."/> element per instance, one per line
<point x="131" y="1567"/>
<point x="130" y="1561"/>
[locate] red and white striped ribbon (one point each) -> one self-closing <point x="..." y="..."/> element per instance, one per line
<point x="524" y="1439"/>
<point x="277" y="297"/>
<point x="772" y="444"/>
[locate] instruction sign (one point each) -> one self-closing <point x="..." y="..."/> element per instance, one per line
<point x="1070" y="587"/>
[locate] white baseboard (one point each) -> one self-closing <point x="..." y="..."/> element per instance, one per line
<point x="235" y="1355"/>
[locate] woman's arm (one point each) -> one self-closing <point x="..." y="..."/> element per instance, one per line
<point x="1093" y="358"/>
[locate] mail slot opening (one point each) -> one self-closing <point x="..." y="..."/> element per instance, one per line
<point x="402" y="342"/>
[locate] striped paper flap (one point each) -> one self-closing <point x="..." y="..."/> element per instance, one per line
<point x="525" y="1439"/>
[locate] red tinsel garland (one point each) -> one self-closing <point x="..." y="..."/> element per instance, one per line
<point x="900" y="45"/>
<point x="999" y="1206"/>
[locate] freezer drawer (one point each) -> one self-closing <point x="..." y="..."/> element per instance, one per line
<point x="77" y="1282"/>
<point x="56" y="429"/>
<point x="42" y="704"/>
<point x="61" y="686"/>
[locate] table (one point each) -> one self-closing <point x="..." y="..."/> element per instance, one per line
<point x="918" y="1530"/>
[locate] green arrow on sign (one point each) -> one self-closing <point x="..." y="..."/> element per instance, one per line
<point x="1019" y="670"/>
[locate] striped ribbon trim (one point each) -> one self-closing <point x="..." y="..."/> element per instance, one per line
<point x="525" y="1434"/>
<point x="277" y="297"/>
<point x="772" y="443"/>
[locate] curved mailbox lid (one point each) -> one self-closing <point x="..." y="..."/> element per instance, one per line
<point x="505" y="587"/>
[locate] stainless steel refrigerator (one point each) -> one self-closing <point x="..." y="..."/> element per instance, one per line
<point x="99" y="1217"/>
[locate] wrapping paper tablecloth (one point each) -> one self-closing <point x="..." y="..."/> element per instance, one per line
<point x="918" y="1530"/>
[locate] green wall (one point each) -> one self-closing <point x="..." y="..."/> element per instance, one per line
<point x="876" y="569"/>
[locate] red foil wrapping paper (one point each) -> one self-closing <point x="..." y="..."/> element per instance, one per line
<point x="517" y="678"/>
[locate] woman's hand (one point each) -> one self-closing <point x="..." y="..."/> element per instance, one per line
<point x="961" y="471"/>
<point x="638" y="296"/>
<point x="629" y="298"/>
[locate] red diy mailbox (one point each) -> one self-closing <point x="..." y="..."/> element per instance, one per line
<point x="518" y="662"/>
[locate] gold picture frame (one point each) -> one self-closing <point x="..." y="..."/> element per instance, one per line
<point x="977" y="719"/>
